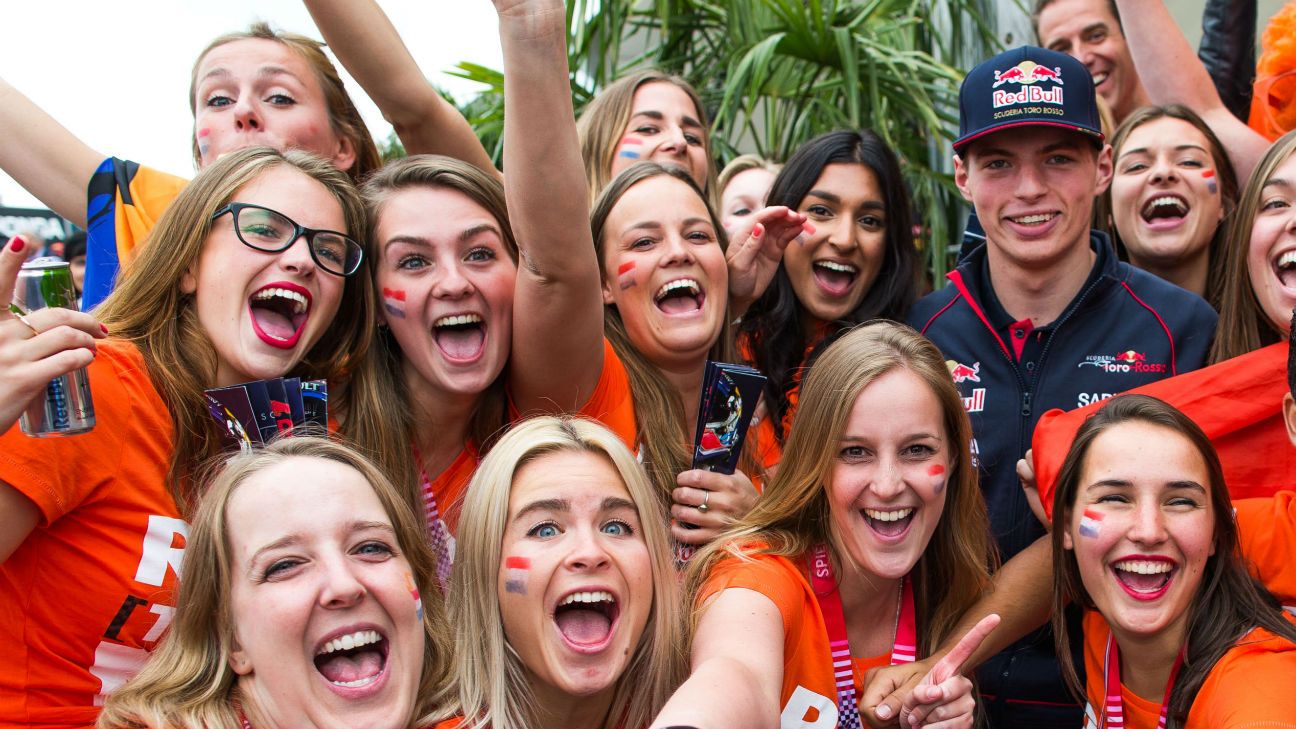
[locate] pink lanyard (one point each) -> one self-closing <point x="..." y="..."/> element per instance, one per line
<point x="438" y="535"/>
<point x="904" y="649"/>
<point x="1114" y="710"/>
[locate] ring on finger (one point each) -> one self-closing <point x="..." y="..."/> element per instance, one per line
<point x="35" y="332"/>
<point x="702" y="507"/>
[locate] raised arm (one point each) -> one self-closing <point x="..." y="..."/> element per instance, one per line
<point x="43" y="156"/>
<point x="367" y="44"/>
<point x="1156" y="44"/>
<point x="558" y="305"/>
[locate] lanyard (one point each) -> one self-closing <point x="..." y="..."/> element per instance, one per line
<point x="1114" y="709"/>
<point x="906" y="636"/>
<point x="438" y="534"/>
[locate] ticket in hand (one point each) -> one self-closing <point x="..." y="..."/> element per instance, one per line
<point x="729" y="396"/>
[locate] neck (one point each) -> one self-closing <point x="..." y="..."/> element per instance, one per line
<point x="556" y="709"/>
<point x="1146" y="660"/>
<point x="686" y="379"/>
<point x="1187" y="274"/>
<point x="440" y="421"/>
<point x="1136" y="100"/>
<point x="1042" y="294"/>
<point x="869" y="603"/>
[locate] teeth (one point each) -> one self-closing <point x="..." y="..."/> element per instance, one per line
<point x="896" y="515"/>
<point x="1144" y="567"/>
<point x="1287" y="260"/>
<point x="1099" y="78"/>
<point x="457" y="320"/>
<point x="585" y="597"/>
<point x="1166" y="201"/>
<point x="1034" y="219"/>
<point x="357" y="682"/>
<point x="679" y="283"/>
<point x="347" y="642"/>
<point x="299" y="301"/>
<point x="835" y="266"/>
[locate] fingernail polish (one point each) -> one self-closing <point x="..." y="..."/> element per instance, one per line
<point x="104" y="327"/>
<point x="17" y="244"/>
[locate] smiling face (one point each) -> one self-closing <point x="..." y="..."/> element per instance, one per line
<point x="264" y="311"/>
<point x="1142" y="527"/>
<point x="1271" y="258"/>
<point x="835" y="267"/>
<point x="664" y="127"/>
<point x="1033" y="190"/>
<point x="1087" y="31"/>
<point x="447" y="284"/>
<point x="326" y="631"/>
<point x="257" y="91"/>
<point x="1165" y="196"/>
<point x="887" y="489"/>
<point x="575" y="582"/>
<point x="744" y="196"/>
<point x="664" y="270"/>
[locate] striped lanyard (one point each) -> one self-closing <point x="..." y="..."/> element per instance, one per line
<point x="1114" y="710"/>
<point x="438" y="534"/>
<point x="904" y="649"/>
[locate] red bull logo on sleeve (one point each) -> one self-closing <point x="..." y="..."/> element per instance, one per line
<point x="1027" y="73"/>
<point x="962" y="373"/>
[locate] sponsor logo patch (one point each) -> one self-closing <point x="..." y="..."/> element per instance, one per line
<point x="1127" y="361"/>
<point x="962" y="373"/>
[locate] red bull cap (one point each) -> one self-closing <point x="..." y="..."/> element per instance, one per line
<point x="1027" y="86"/>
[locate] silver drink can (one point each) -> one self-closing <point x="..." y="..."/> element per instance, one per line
<point x="66" y="407"/>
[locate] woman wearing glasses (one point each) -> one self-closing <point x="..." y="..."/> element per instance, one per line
<point x="252" y="265"/>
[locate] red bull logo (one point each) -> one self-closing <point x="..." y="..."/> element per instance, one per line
<point x="1026" y="73"/>
<point x="962" y="373"/>
<point x="1130" y="356"/>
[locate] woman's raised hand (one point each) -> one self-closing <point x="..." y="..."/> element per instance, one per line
<point x="755" y="250"/>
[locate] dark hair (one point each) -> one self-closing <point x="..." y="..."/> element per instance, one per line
<point x="1229" y="602"/>
<point x="74" y="246"/>
<point x="1041" y="4"/>
<point x="772" y="328"/>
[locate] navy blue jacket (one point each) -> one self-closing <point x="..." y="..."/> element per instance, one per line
<point x="1124" y="329"/>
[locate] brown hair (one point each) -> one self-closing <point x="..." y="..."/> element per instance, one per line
<point x="603" y="122"/>
<point x="344" y="117"/>
<point x="1243" y="325"/>
<point x="187" y="682"/>
<point x="793" y="515"/>
<point x="148" y="308"/>
<point x="1229" y="601"/>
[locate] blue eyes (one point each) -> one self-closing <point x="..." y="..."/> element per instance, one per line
<point x="549" y="530"/>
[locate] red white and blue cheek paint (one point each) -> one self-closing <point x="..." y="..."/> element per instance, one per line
<point x="1090" y="524"/>
<point x="394" y="302"/>
<point x="414" y="593"/>
<point x="1211" y="185"/>
<point x="630" y="147"/>
<point x="203" y="146"/>
<point x="937" y="475"/>
<point x="626" y="275"/>
<point x="517" y="571"/>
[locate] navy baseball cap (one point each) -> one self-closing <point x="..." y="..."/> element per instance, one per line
<point x="1027" y="86"/>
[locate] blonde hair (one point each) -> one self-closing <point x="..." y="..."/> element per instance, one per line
<point x="493" y="690"/>
<point x="187" y="682"/>
<point x="792" y="516"/>
<point x="344" y="117"/>
<point x="741" y="164"/>
<point x="388" y="433"/>
<point x="1243" y="325"/>
<point x="148" y="308"/>
<point x="603" y="122"/>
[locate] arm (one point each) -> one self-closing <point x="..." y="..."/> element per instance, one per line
<point x="1156" y="43"/>
<point x="43" y="156"/>
<point x="558" y="303"/>
<point x="371" y="50"/>
<point x="18" y="517"/>
<point x="747" y="672"/>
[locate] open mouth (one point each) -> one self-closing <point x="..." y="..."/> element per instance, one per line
<point x="1033" y="220"/>
<point x="279" y="313"/>
<point x="834" y="277"/>
<point x="1098" y="78"/>
<point x="586" y="619"/>
<point x="1285" y="269"/>
<point x="890" y="523"/>
<point x="460" y="337"/>
<point x="353" y="660"/>
<point x="681" y="296"/>
<point x="1144" y="579"/>
<point x="1165" y="211"/>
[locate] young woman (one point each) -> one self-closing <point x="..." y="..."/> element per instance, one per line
<point x="566" y="605"/>
<point x="744" y="186"/>
<point x="866" y="548"/>
<point x="1259" y="291"/>
<point x="1174" y="186"/>
<point x="256" y="264"/>
<point x="1178" y="633"/>
<point x="325" y="616"/>
<point x="858" y="264"/>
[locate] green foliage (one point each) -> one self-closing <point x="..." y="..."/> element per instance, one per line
<point x="775" y="73"/>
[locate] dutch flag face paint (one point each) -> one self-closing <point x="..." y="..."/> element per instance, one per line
<point x="394" y="302"/>
<point x="1090" y="524"/>
<point x="1209" y="176"/>
<point x="516" y="572"/>
<point x="625" y="275"/>
<point x="937" y="475"/>
<point x="414" y="593"/>
<point x="630" y="147"/>
<point x="203" y="144"/>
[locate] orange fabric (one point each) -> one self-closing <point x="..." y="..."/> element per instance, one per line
<point x="450" y="484"/>
<point x="89" y="591"/>
<point x="1267" y="531"/>
<point x="611" y="403"/>
<point x="1237" y="402"/>
<point x="1250" y="686"/>
<point x="807" y="659"/>
<point x="151" y="192"/>
<point x="1273" y="97"/>
<point x="451" y="723"/>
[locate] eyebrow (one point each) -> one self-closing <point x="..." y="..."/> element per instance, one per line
<point x="1119" y="483"/>
<point x="1277" y="182"/>
<point x="563" y="506"/>
<point x="1180" y="148"/>
<point x="847" y="438"/>
<point x="658" y="116"/>
<point x="476" y="230"/>
<point x="263" y="72"/>
<point x="295" y="539"/>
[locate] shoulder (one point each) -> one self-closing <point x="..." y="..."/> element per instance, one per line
<point x="1168" y="301"/>
<point x="778" y="578"/>
<point x="1251" y="684"/>
<point x="927" y="310"/>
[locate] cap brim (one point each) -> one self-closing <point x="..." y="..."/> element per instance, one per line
<point x="961" y="143"/>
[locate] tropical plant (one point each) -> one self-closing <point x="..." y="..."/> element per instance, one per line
<point x="775" y="73"/>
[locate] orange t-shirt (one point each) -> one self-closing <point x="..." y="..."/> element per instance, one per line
<point x="808" y="684"/>
<point x="91" y="589"/>
<point x="1250" y="686"/>
<point x="611" y="403"/>
<point x="1267" y="532"/>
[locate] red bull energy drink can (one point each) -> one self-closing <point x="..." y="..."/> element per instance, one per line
<point x="66" y="407"/>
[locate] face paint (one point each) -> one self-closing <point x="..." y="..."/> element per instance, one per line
<point x="625" y="275"/>
<point x="937" y="473"/>
<point x="414" y="593"/>
<point x="394" y="302"/>
<point x="203" y="146"/>
<point x="1209" y="175"/>
<point x="631" y="148"/>
<point x="1090" y="522"/>
<point x="516" y="570"/>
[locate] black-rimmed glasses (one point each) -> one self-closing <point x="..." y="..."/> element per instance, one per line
<point x="270" y="231"/>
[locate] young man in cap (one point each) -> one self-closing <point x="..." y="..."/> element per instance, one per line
<point x="1043" y="315"/>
